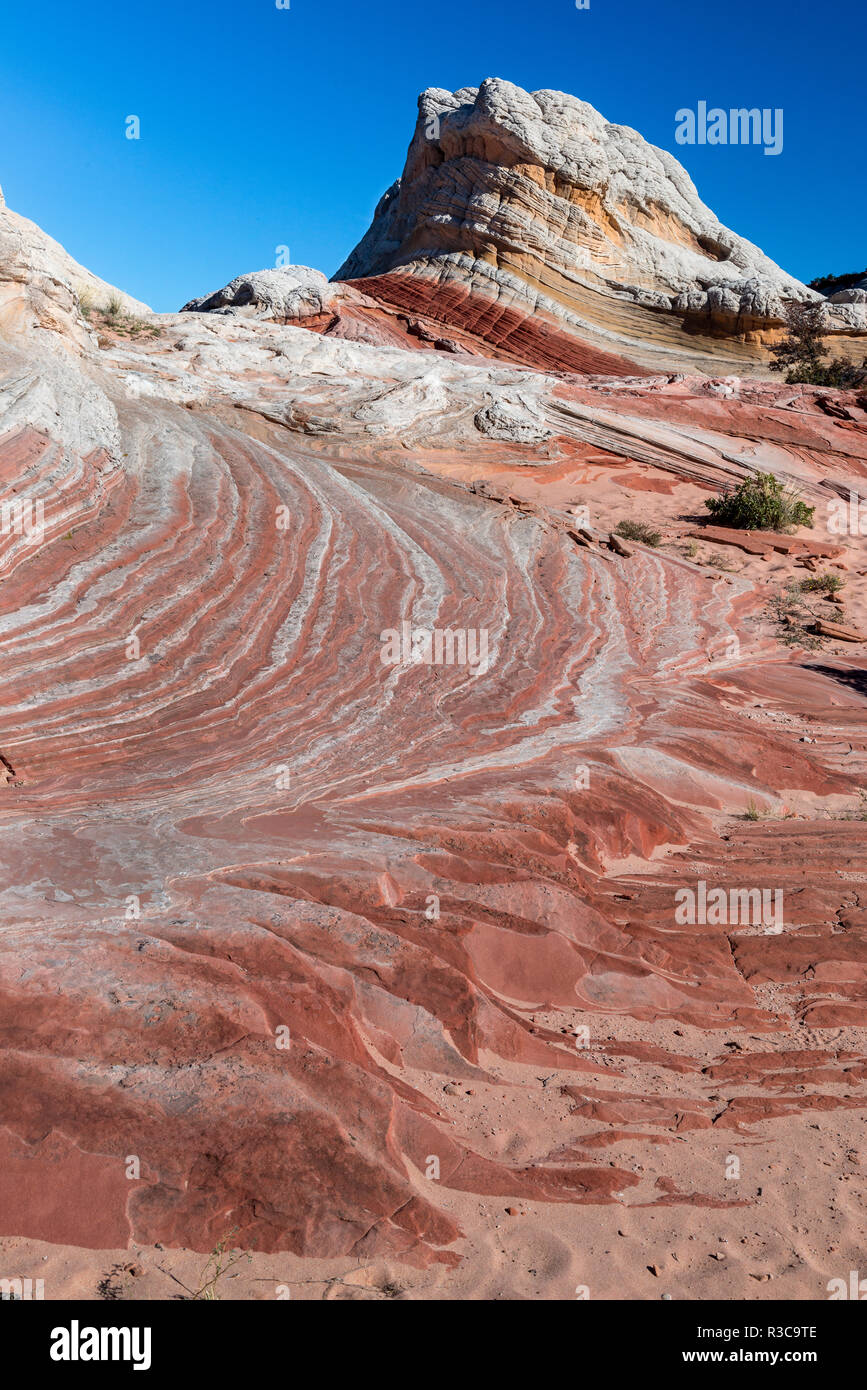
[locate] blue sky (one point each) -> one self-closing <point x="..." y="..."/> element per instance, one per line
<point x="263" y="127"/>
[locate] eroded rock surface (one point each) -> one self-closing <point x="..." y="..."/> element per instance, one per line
<point x="42" y="286"/>
<point x="309" y="926"/>
<point x="531" y="220"/>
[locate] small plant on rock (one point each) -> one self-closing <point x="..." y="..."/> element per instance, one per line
<point x="802" y="352"/>
<point x="822" y="584"/>
<point x="795" y="617"/>
<point x="86" y="301"/>
<point x="637" y="531"/>
<point x="761" y="503"/>
<point x="221" y="1259"/>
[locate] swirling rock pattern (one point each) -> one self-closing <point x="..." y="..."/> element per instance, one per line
<point x="275" y="891"/>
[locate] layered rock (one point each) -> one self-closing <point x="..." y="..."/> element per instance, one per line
<point x="528" y="228"/>
<point x="303" y="297"/>
<point x="287" y="918"/>
<point x="522" y="214"/>
<point x="41" y="286"/>
<point x="300" y="296"/>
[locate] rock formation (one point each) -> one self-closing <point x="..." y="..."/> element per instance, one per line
<point x="41" y="285"/>
<point x="846" y="310"/>
<point x="298" y="295"/>
<point x="530" y="219"/>
<point x="291" y="293"/>
<point x="357" y="951"/>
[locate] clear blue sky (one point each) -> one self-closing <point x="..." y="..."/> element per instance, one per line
<point x="262" y="127"/>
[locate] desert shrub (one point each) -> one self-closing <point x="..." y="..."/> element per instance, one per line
<point x="86" y="301"/>
<point x="637" y="531"/>
<point x="760" y="503"/>
<point x="802" y="352"/>
<point x="840" y="373"/>
<point x="123" y="324"/>
<point x="795" y="617"/>
<point x="134" y="327"/>
<point x="822" y="584"/>
<point x="802" y="348"/>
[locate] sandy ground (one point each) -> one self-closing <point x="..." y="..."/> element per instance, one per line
<point x="792" y="1220"/>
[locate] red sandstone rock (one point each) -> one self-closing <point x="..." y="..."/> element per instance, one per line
<point x="244" y="827"/>
<point x="762" y="542"/>
<point x="546" y="228"/>
<point x="510" y="333"/>
<point x="838" y="631"/>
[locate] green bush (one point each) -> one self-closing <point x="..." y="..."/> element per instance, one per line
<point x="86" y="302"/>
<point x="637" y="531"/>
<point x="802" y="349"/>
<point x="822" y="584"/>
<point x="761" y="503"/>
<point x="802" y="352"/>
<point x="840" y="373"/>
